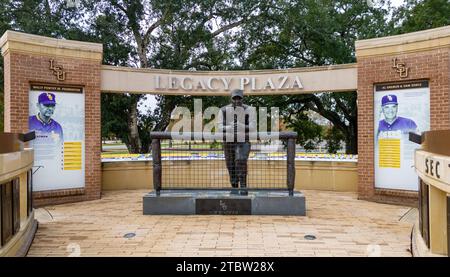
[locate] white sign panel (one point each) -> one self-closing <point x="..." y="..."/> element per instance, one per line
<point x="57" y="116"/>
<point x="399" y="109"/>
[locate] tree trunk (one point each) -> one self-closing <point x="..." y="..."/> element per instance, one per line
<point x="351" y="141"/>
<point x="142" y="57"/>
<point x="146" y="148"/>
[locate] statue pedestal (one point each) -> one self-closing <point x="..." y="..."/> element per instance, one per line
<point x="178" y="202"/>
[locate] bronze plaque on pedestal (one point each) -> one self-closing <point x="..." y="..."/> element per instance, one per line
<point x="224" y="206"/>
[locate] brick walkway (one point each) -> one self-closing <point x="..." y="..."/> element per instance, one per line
<point x="343" y="225"/>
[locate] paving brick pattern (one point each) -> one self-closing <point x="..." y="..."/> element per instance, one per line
<point x="343" y="226"/>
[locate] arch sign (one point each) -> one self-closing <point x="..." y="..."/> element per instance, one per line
<point x="255" y="82"/>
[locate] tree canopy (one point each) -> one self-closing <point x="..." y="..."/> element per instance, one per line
<point x="224" y="35"/>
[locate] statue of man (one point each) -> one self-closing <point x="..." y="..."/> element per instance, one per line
<point x="236" y="121"/>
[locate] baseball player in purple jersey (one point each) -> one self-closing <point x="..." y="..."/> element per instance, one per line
<point x="391" y="121"/>
<point x="42" y="123"/>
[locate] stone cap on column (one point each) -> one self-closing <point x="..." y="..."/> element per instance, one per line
<point x="13" y="41"/>
<point x="405" y="43"/>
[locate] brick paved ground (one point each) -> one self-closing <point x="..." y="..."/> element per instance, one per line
<point x="343" y="225"/>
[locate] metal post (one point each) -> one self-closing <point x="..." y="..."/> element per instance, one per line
<point x="291" y="165"/>
<point x="157" y="166"/>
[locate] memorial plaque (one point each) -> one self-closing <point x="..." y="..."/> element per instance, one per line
<point x="399" y="109"/>
<point x="7" y="220"/>
<point x="16" y="205"/>
<point x="29" y="192"/>
<point x="424" y="216"/>
<point x="223" y="206"/>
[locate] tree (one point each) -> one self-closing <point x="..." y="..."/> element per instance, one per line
<point x="421" y="15"/>
<point x="54" y="18"/>
<point x="223" y="35"/>
<point x="286" y="34"/>
<point x="174" y="35"/>
<point x="4" y="25"/>
<point x="313" y="33"/>
<point x="205" y="35"/>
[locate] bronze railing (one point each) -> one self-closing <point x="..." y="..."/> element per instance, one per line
<point x="193" y="163"/>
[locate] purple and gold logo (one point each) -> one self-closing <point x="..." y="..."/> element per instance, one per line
<point x="58" y="71"/>
<point x="400" y="68"/>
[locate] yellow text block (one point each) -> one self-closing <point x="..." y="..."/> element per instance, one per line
<point x="389" y="153"/>
<point x="72" y="155"/>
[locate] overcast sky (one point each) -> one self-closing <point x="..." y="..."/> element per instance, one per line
<point x="150" y="102"/>
<point x="397" y="2"/>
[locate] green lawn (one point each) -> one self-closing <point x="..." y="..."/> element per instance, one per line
<point x="116" y="152"/>
<point x="113" y="144"/>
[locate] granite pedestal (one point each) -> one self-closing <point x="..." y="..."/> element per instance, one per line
<point x="189" y="202"/>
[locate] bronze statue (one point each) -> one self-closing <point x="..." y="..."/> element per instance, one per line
<point x="236" y="122"/>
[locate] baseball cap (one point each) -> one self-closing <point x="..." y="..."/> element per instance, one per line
<point x="46" y="98"/>
<point x="389" y="99"/>
<point x="237" y="92"/>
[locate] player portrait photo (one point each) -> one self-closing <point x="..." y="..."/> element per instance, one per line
<point x="43" y="123"/>
<point x="56" y="115"/>
<point x="399" y="109"/>
<point x="391" y="120"/>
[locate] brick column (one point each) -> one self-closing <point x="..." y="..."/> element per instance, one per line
<point x="427" y="55"/>
<point x="26" y="60"/>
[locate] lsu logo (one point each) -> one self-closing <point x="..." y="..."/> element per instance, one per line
<point x="400" y="68"/>
<point x="58" y="71"/>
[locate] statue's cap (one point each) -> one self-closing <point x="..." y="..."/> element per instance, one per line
<point x="237" y="92"/>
